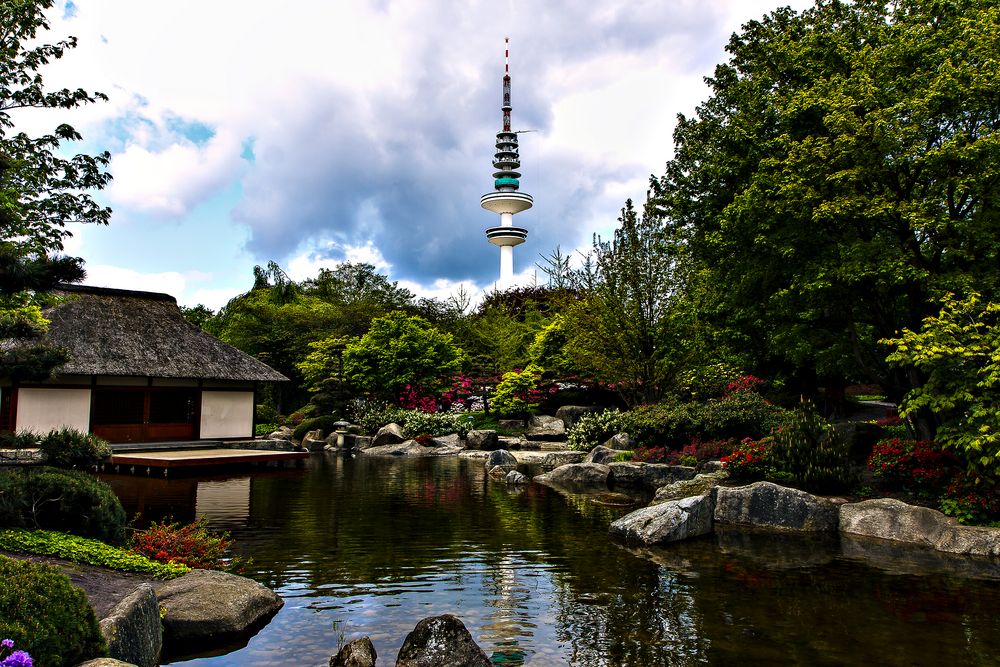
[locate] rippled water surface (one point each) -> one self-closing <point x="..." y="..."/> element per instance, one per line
<point x="370" y="546"/>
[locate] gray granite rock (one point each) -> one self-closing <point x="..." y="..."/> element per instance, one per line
<point x="768" y="505"/>
<point x="132" y="629"/>
<point x="601" y="454"/>
<point x="544" y="427"/>
<point x="514" y="478"/>
<point x="283" y="433"/>
<point x="482" y="439"/>
<point x="205" y="607"/>
<point x="570" y="414"/>
<point x="314" y="441"/>
<point x="362" y="442"/>
<point x="410" y="448"/>
<point x="553" y="460"/>
<point x="358" y="653"/>
<point x="502" y="458"/>
<point x="390" y="434"/>
<point x="106" y="662"/>
<point x="441" y="641"/>
<point x="651" y="475"/>
<point x="577" y="476"/>
<point x="668" y="522"/>
<point x="452" y="441"/>
<point x="696" y="486"/>
<point x="619" y="441"/>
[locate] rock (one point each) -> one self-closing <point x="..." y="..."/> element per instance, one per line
<point x="484" y="439"/>
<point x="451" y="441"/>
<point x="516" y="425"/>
<point x="698" y="485"/>
<point x="771" y="506"/>
<point x="543" y="427"/>
<point x="619" y="441"/>
<point x="710" y="466"/>
<point x="514" y="478"/>
<point x="441" y="641"/>
<point x="570" y="414"/>
<point x="577" y="476"/>
<point x="358" y="653"/>
<point x="502" y="458"/>
<point x="652" y="475"/>
<point x="132" y="629"/>
<point x="890" y="519"/>
<point x="362" y="442"/>
<point x="498" y="472"/>
<point x="314" y="441"/>
<point x="390" y="434"/>
<point x="555" y="459"/>
<point x="669" y="522"/>
<point x="405" y="448"/>
<point x="106" y="662"/>
<point x="207" y="606"/>
<point x="511" y="442"/>
<point x="601" y="454"/>
<point x="283" y="433"/>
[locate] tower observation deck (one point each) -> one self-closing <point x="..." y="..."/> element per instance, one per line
<point x="506" y="200"/>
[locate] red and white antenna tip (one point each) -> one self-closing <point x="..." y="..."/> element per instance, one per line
<point x="506" y="55"/>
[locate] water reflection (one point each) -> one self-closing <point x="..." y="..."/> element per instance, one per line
<point x="370" y="546"/>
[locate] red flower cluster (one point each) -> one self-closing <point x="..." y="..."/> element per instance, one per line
<point x="192" y="545"/>
<point x="743" y="384"/>
<point x="912" y="464"/>
<point x="749" y="460"/>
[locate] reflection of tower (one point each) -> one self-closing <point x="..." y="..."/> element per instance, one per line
<point x="506" y="200"/>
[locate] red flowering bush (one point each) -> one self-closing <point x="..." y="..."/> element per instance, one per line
<point x="750" y="460"/>
<point x="411" y="398"/>
<point x="192" y="545"/>
<point x="650" y="455"/>
<point x="973" y="499"/>
<point x="913" y="465"/>
<point x="743" y="385"/>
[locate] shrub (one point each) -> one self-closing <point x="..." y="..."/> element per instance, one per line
<point x="742" y="414"/>
<point x="324" y="423"/>
<point x="810" y="451"/>
<point x="650" y="454"/>
<point x="750" y="460"/>
<point x="372" y="415"/>
<point x="192" y="545"/>
<point x="45" y="615"/>
<point x="65" y="500"/>
<point x="266" y="429"/>
<point x="23" y="439"/>
<point x="84" y="550"/>
<point x="973" y="500"/>
<point x="709" y="381"/>
<point x="69" y="448"/>
<point x="417" y="422"/>
<point x="518" y="392"/>
<point x="266" y="413"/>
<point x="594" y="428"/>
<point x="914" y="465"/>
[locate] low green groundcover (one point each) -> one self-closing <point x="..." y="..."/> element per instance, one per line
<point x="84" y="550"/>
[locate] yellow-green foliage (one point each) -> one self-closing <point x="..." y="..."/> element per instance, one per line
<point x="958" y="351"/>
<point x="516" y="392"/>
<point x="84" y="550"/>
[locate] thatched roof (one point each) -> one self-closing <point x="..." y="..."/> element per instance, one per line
<point x="121" y="332"/>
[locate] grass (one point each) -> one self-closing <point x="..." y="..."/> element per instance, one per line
<point x="86" y="551"/>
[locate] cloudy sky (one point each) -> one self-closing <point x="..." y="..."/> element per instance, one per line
<point x="314" y="131"/>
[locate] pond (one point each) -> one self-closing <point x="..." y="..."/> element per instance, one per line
<point x="369" y="546"/>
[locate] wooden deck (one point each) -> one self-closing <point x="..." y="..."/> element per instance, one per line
<point x="146" y="462"/>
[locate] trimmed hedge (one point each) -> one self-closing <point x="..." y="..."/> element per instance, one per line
<point x="324" y="423"/>
<point x="85" y="550"/>
<point x="65" y="500"/>
<point x="46" y="615"/>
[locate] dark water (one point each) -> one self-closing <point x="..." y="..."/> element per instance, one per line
<point x="370" y="546"/>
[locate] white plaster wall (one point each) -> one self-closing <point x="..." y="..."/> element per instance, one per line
<point x="227" y="414"/>
<point x="42" y="410"/>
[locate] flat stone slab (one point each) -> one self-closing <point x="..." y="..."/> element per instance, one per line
<point x="668" y="522"/>
<point x="768" y="505"/>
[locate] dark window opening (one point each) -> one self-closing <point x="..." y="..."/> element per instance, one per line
<point x="172" y="407"/>
<point x="113" y="406"/>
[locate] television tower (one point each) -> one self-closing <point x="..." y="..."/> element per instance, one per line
<point x="506" y="200"/>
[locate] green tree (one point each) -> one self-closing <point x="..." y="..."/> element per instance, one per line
<point x="40" y="191"/>
<point x="957" y="352"/>
<point x="842" y="177"/>
<point x="401" y="350"/>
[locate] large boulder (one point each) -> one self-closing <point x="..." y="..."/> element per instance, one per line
<point x="577" y="476"/>
<point x="450" y="441"/>
<point x="132" y="629"/>
<point x="210" y="607"/>
<point x="314" y="441"/>
<point x="669" y="522"/>
<point x="390" y="434"/>
<point x="362" y="442"/>
<point x="514" y="478"/>
<point x="652" y="475"/>
<point x="619" y="441"/>
<point x="358" y="653"/>
<point x="106" y="662"/>
<point x="501" y="458"/>
<point x="483" y="439"/>
<point x="601" y="454"/>
<point x="441" y="641"/>
<point x="768" y="505"/>
<point x="283" y="433"/>
<point x="890" y="519"/>
<point x="543" y="427"/>
<point x="570" y="414"/>
<point x="511" y="425"/>
<point x="685" y="488"/>
<point x="406" y="448"/>
<point x="553" y="460"/>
